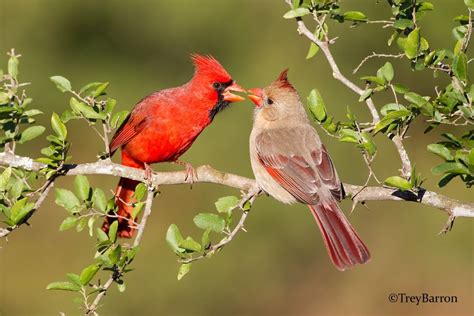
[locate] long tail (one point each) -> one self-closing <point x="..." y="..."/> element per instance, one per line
<point x="124" y="200"/>
<point x="343" y="244"/>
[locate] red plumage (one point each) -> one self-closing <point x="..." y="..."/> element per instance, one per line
<point x="163" y="125"/>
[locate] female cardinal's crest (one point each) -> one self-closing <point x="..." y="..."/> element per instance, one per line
<point x="282" y="80"/>
<point x="210" y="67"/>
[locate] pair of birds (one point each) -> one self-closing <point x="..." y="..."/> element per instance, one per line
<point x="288" y="159"/>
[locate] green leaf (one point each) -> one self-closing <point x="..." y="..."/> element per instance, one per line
<point x="137" y="209"/>
<point x="101" y="235"/>
<point x="316" y="105"/>
<point x="183" y="270"/>
<point x="89" y="88"/>
<point x="74" y="278"/>
<point x="226" y="204"/>
<point x="174" y="238"/>
<point x="398" y="182"/>
<point x="121" y="287"/>
<point x="355" y="16"/>
<point x="390" y="118"/>
<point x="113" y="231"/>
<point x="61" y="83"/>
<point x="365" y="95"/>
<point x="209" y="221"/>
<point x="88" y="273"/>
<point x="100" y="89"/>
<point x="411" y="44"/>
<point x="115" y="254"/>
<point x="140" y="191"/>
<point x="402" y="24"/>
<point x="20" y="209"/>
<point x="390" y="107"/>
<point x="58" y="126"/>
<point x="313" y="50"/>
<point x="4" y="178"/>
<point x="68" y="222"/>
<point x="119" y="118"/>
<point x="450" y="167"/>
<point x="66" y="199"/>
<point x="368" y="143"/>
<point x="386" y="71"/>
<point x="190" y="244"/>
<point x="4" y="98"/>
<point x="64" y="286"/>
<point x="460" y="66"/>
<point x="99" y="201"/>
<point x="85" y="110"/>
<point x="13" y="66"/>
<point x="399" y="88"/>
<point x="441" y="151"/>
<point x="415" y="98"/>
<point x="469" y="3"/>
<point x="300" y="12"/>
<point x="378" y="80"/>
<point x="82" y="187"/>
<point x="31" y="133"/>
<point x="205" y="239"/>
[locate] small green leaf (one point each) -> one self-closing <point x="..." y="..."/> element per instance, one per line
<point x="313" y="50"/>
<point x="99" y="201"/>
<point x="4" y="178"/>
<point x="190" y="244"/>
<point x="61" y="83"/>
<point x="85" y="110"/>
<point x="415" y="98"/>
<point x="115" y="254"/>
<point x="402" y="24"/>
<point x="101" y="235"/>
<point x="183" y="270"/>
<point x="450" y="167"/>
<point x="316" y="105"/>
<point x="205" y="239"/>
<point x="378" y="80"/>
<point x="74" y="278"/>
<point x="4" y="98"/>
<point x="119" y="118"/>
<point x="82" y="187"/>
<point x="411" y="44"/>
<point x="66" y="199"/>
<point x="88" y="273"/>
<point x="67" y="223"/>
<point x="469" y="3"/>
<point x="113" y="231"/>
<point x="100" y="89"/>
<point x="386" y="71"/>
<point x="300" y="12"/>
<point x="398" y="182"/>
<point x="31" y="133"/>
<point x="58" y="126"/>
<point x="209" y="221"/>
<point x="226" y="204"/>
<point x="441" y="151"/>
<point x="64" y="286"/>
<point x="355" y="16"/>
<point x="365" y="95"/>
<point x="140" y="191"/>
<point x="13" y="66"/>
<point x="174" y="238"/>
<point x="460" y="66"/>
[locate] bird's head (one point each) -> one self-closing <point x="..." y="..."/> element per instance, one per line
<point x="277" y="101"/>
<point x="214" y="84"/>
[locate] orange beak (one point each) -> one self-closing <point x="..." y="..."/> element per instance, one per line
<point x="256" y="96"/>
<point x="229" y="96"/>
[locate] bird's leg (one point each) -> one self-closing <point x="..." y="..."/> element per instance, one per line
<point x="191" y="173"/>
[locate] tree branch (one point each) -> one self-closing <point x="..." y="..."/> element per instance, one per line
<point x="207" y="174"/>
<point x="336" y="72"/>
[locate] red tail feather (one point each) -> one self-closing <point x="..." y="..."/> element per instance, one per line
<point x="123" y="199"/>
<point x="343" y="244"/>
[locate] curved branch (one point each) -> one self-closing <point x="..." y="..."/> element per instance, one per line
<point x="207" y="174"/>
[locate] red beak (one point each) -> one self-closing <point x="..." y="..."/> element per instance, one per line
<point x="229" y="96"/>
<point x="256" y="96"/>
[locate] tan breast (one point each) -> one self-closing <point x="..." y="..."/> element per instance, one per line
<point x="263" y="178"/>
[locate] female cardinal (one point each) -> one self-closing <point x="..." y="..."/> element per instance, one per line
<point x="291" y="164"/>
<point x="163" y="125"/>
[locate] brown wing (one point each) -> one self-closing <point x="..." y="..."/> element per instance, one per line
<point x="297" y="160"/>
<point x="133" y="124"/>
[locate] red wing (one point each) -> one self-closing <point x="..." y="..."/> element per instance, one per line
<point x="132" y="125"/>
<point x="298" y="161"/>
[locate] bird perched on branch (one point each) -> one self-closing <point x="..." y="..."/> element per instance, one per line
<point x="163" y="125"/>
<point x="291" y="164"/>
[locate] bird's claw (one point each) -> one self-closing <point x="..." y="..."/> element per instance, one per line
<point x="191" y="173"/>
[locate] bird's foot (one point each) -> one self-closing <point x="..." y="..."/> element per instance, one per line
<point x="148" y="174"/>
<point x="191" y="174"/>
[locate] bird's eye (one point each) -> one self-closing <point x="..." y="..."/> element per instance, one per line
<point x="217" y="85"/>
<point x="269" y="101"/>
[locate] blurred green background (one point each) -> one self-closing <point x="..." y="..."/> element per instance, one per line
<point x="280" y="266"/>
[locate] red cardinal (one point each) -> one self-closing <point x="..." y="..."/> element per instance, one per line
<point x="291" y="164"/>
<point x="163" y="125"/>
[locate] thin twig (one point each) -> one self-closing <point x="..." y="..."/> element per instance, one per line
<point x="374" y="54"/>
